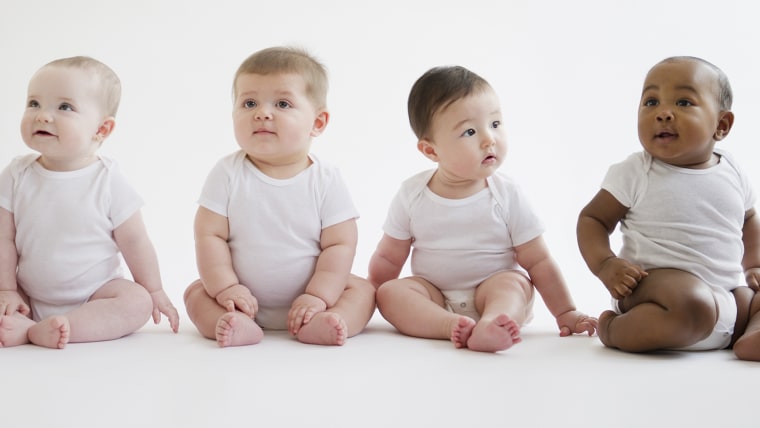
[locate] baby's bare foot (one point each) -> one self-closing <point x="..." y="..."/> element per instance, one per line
<point x="461" y="331"/>
<point x="13" y="330"/>
<point x="237" y="329"/>
<point x="605" y="319"/>
<point x="53" y="332"/>
<point x="747" y="347"/>
<point x="495" y="335"/>
<point x="325" y="328"/>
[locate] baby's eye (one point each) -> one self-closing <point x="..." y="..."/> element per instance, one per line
<point x="650" y="102"/>
<point x="249" y="104"/>
<point x="468" y="133"/>
<point x="283" y="104"/>
<point x="495" y="124"/>
<point x="684" y="103"/>
<point x="33" y="104"/>
<point x="66" y="107"/>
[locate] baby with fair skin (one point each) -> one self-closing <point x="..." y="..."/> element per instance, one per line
<point x="457" y="118"/>
<point x="677" y="281"/>
<point x="70" y="111"/>
<point x="285" y="268"/>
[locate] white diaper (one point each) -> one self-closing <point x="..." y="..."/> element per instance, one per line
<point x="461" y="302"/>
<point x="272" y="318"/>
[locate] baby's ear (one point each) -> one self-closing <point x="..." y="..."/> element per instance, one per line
<point x="320" y="123"/>
<point x="105" y="129"/>
<point x="725" y="122"/>
<point x="427" y="148"/>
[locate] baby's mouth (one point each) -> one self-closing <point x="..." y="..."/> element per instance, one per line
<point x="44" y="134"/>
<point x="665" y="134"/>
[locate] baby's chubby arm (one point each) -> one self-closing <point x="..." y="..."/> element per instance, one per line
<point x="596" y="222"/>
<point x="751" y="239"/>
<point x="388" y="259"/>
<point x="214" y="262"/>
<point x="10" y="300"/>
<point x="546" y="276"/>
<point x="338" y="244"/>
<point x="132" y="239"/>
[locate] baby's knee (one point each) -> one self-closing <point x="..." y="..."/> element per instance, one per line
<point x="390" y="292"/>
<point x="360" y="284"/>
<point x="141" y="302"/>
<point x="192" y="290"/>
<point x="698" y="309"/>
<point x="506" y="281"/>
<point x="385" y="291"/>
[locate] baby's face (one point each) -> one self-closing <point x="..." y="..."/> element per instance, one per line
<point x="275" y="120"/>
<point x="63" y="117"/>
<point x="467" y="137"/>
<point x="679" y="113"/>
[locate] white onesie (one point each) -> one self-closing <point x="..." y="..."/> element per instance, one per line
<point x="64" y="229"/>
<point x="276" y="226"/>
<point x="687" y="219"/>
<point x="459" y="243"/>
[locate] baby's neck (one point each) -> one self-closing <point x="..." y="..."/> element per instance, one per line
<point x="454" y="188"/>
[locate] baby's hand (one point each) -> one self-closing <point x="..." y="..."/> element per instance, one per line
<point x="162" y="305"/>
<point x="238" y="297"/>
<point x="752" y="276"/>
<point x="576" y="322"/>
<point x="11" y="302"/>
<point x="620" y="277"/>
<point x="304" y="307"/>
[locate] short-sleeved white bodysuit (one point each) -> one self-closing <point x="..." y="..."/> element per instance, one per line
<point x="64" y="229"/>
<point x="459" y="243"/>
<point x="276" y="226"/>
<point x="687" y="219"/>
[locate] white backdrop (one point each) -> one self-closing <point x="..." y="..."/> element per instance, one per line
<point x="569" y="76"/>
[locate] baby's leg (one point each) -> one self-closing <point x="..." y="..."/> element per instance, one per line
<point x="14" y="330"/>
<point x="505" y="301"/>
<point x="747" y="346"/>
<point x="214" y="322"/>
<point x="346" y="318"/>
<point x="668" y="309"/>
<point x="118" y="308"/>
<point x="53" y="332"/>
<point x="416" y="308"/>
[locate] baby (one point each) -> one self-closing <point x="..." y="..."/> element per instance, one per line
<point x="276" y="228"/>
<point x="478" y="250"/>
<point x="691" y="236"/>
<point x="66" y="214"/>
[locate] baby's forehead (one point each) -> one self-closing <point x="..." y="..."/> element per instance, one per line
<point x="685" y="68"/>
<point x="684" y="73"/>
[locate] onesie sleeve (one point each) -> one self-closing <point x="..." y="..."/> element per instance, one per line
<point x="216" y="190"/>
<point x="337" y="205"/>
<point x="748" y="191"/>
<point x="623" y="179"/>
<point x="124" y="199"/>
<point x="10" y="175"/>
<point x="398" y="222"/>
<point x="522" y="221"/>
<point x="6" y="188"/>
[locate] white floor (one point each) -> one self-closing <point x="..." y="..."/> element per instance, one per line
<point x="378" y="379"/>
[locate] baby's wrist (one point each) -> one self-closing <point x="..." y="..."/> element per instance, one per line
<point x="306" y="293"/>
<point x="221" y="290"/>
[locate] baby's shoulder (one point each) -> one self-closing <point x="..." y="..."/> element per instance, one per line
<point x="417" y="182"/>
<point x="20" y="164"/>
